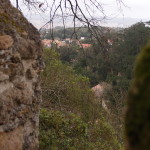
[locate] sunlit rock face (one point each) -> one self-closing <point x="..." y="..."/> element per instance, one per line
<point x="138" y="113"/>
<point x="20" y="93"/>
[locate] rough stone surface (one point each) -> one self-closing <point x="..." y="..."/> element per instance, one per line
<point x="20" y="93"/>
<point x="6" y="41"/>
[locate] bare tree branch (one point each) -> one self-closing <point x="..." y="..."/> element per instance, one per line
<point x="80" y="10"/>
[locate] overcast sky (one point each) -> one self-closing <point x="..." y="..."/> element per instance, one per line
<point x="137" y="9"/>
<point x="134" y="11"/>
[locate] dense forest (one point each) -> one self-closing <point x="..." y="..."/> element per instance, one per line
<point x="72" y="117"/>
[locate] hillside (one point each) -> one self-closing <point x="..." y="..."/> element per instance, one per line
<point x="71" y="118"/>
<point x="110" y="67"/>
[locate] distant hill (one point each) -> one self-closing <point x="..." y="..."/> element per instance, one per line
<point x="59" y="32"/>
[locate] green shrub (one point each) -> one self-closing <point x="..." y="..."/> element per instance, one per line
<point x="71" y="118"/>
<point x="60" y="132"/>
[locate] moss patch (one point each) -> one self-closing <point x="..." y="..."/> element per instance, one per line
<point x="8" y="20"/>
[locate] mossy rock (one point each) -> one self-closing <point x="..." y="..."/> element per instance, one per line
<point x="12" y="21"/>
<point x="138" y="113"/>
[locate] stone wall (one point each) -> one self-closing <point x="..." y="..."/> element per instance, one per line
<point x="20" y="93"/>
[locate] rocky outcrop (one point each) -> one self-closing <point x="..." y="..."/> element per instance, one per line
<point x="20" y="93"/>
<point x="138" y="113"/>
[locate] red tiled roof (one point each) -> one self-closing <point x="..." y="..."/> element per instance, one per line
<point x="86" y="45"/>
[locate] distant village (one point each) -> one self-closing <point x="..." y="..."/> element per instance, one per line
<point x="58" y="42"/>
<point x="65" y="43"/>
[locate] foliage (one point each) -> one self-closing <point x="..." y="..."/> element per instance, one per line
<point x="60" y="132"/>
<point x="134" y="38"/>
<point x="112" y="64"/>
<point x="68" y="54"/>
<point x="63" y="88"/>
<point x="137" y="117"/>
<point x="71" y="118"/>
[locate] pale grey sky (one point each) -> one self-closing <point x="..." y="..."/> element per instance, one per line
<point x="137" y="9"/>
<point x="134" y="11"/>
